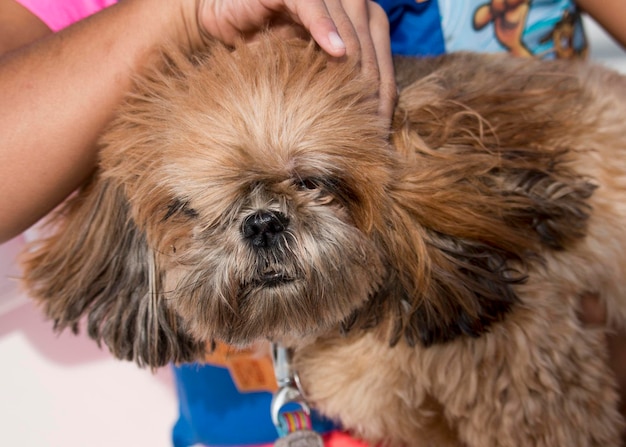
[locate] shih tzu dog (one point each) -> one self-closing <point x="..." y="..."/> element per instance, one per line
<point x="427" y="279"/>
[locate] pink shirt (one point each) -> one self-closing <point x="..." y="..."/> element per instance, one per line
<point x="58" y="14"/>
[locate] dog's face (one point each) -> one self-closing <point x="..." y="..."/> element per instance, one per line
<point x="257" y="191"/>
<point x="243" y="191"/>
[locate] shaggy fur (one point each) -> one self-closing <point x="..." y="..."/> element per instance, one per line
<point x="428" y="282"/>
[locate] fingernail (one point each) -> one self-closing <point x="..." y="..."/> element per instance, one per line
<point x="336" y="42"/>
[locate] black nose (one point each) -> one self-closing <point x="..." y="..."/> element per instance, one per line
<point x="263" y="228"/>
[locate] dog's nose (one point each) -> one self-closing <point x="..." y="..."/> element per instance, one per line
<point x="263" y="228"/>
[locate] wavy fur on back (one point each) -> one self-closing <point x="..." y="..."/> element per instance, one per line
<point x="427" y="278"/>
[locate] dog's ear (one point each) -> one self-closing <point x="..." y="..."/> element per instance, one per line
<point x="96" y="264"/>
<point x="457" y="249"/>
<point x="480" y="197"/>
<point x="466" y="286"/>
<point x="439" y="286"/>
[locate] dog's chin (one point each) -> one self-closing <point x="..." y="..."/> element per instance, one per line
<point x="278" y="307"/>
<point x="275" y="304"/>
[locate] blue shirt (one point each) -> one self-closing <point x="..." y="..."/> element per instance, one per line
<point x="547" y="28"/>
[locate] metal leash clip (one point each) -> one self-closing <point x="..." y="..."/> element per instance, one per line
<point x="289" y="389"/>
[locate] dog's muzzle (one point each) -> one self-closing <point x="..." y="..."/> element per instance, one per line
<point x="264" y="228"/>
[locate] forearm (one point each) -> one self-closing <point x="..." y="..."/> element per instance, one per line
<point x="610" y="14"/>
<point x="58" y="94"/>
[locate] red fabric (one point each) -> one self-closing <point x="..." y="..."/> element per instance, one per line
<point x="341" y="439"/>
<point x="335" y="439"/>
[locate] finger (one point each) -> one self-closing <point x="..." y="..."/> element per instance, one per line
<point x="321" y="23"/>
<point x="357" y="13"/>
<point x="372" y="28"/>
<point x="379" y="26"/>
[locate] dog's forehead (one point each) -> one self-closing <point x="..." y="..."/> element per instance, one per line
<point x="213" y="126"/>
<point x="267" y="112"/>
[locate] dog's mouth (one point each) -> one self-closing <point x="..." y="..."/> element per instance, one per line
<point x="272" y="278"/>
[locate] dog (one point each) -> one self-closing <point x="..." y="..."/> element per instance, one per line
<point x="427" y="277"/>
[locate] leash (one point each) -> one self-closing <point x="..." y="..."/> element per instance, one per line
<point x="290" y="412"/>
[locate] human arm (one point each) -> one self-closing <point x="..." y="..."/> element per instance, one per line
<point x="18" y="27"/>
<point x="59" y="92"/>
<point x="609" y="14"/>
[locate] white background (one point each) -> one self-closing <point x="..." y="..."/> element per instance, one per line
<point x="63" y="391"/>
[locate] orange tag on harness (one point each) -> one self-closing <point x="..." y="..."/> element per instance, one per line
<point x="251" y="369"/>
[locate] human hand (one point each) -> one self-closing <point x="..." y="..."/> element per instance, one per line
<point x="343" y="28"/>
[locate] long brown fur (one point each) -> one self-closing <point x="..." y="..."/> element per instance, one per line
<point x="428" y="282"/>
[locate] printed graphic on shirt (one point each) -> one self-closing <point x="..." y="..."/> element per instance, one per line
<point x="541" y="28"/>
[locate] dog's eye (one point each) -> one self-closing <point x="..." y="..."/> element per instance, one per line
<point x="179" y="206"/>
<point x="307" y="184"/>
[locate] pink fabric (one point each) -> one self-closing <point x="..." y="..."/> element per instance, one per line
<point x="58" y="14"/>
